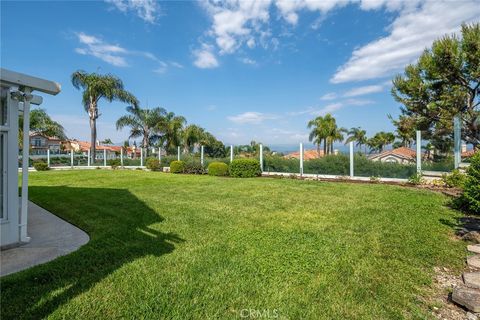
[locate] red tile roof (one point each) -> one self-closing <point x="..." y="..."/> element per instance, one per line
<point x="401" y="152"/>
<point x="307" y="155"/>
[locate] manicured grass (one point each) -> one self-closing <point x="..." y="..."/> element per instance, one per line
<point x="183" y="247"/>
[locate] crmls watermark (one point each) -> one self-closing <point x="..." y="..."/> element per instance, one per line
<point x="259" y="313"/>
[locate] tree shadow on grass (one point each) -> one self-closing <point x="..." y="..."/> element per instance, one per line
<point x="463" y="225"/>
<point x="119" y="226"/>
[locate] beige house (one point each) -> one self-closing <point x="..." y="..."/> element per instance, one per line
<point x="39" y="144"/>
<point x="401" y="155"/>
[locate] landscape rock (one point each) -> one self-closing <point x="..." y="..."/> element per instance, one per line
<point x="474" y="261"/>
<point x="472" y="236"/>
<point x="475" y="248"/>
<point x="472" y="279"/>
<point x="467" y="297"/>
<point x="471" y="316"/>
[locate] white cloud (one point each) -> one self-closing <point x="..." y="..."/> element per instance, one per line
<point x="205" y="58"/>
<point x="146" y="10"/>
<point x="289" y="8"/>
<point x="329" y="96"/>
<point x="96" y="47"/>
<point x="115" y="54"/>
<point x="415" y="28"/>
<point x="248" y="61"/>
<point x="328" y="109"/>
<point x="251" y="118"/>
<point x="360" y="91"/>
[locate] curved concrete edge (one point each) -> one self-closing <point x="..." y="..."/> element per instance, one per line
<point x="51" y="237"/>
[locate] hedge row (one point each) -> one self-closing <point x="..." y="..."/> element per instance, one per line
<point x="239" y="168"/>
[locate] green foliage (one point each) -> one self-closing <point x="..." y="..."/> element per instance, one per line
<point x="340" y="165"/>
<point x="177" y="166"/>
<point x="218" y="169"/>
<point x="194" y="167"/>
<point x="114" y="163"/>
<point x="40" y="166"/>
<point x="455" y="179"/>
<point x="245" y="168"/>
<point x="416" y="179"/>
<point x="471" y="193"/>
<point x="443" y="83"/>
<point x="153" y="164"/>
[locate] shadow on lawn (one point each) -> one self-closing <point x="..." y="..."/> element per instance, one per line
<point x="463" y="225"/>
<point x="118" y="225"/>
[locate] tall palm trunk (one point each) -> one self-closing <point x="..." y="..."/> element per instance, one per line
<point x="325" y="146"/>
<point x="93" y="115"/>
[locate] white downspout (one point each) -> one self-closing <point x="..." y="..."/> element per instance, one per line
<point x="25" y="162"/>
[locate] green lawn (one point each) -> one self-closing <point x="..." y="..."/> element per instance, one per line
<point x="198" y="247"/>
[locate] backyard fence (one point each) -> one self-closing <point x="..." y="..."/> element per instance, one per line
<point x="422" y="157"/>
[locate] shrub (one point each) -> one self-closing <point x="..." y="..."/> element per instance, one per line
<point x="471" y="191"/>
<point x="455" y="179"/>
<point x="177" y="166"/>
<point x="114" y="163"/>
<point x="218" y="169"/>
<point x="245" y="168"/>
<point x="194" y="167"/>
<point x="40" y="166"/>
<point x="416" y="179"/>
<point x="153" y="164"/>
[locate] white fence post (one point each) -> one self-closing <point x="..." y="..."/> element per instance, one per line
<point x="121" y="157"/>
<point x="419" y="151"/>
<point x="351" y="159"/>
<point x="261" y="157"/>
<point x="178" y="153"/>
<point x="71" y="158"/>
<point x="88" y="158"/>
<point x="231" y="153"/>
<point x="301" y="159"/>
<point x="141" y="157"/>
<point x="104" y="157"/>
<point x="201" y="155"/>
<point x="457" y="140"/>
<point x="48" y="157"/>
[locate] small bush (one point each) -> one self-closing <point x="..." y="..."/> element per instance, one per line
<point x="245" y="168"/>
<point x="218" y="169"/>
<point x="40" y="166"/>
<point x="471" y="191"/>
<point x="153" y="164"/>
<point x="455" y="179"/>
<point x="177" y="166"/>
<point x="114" y="163"/>
<point x="194" y="167"/>
<point x="416" y="179"/>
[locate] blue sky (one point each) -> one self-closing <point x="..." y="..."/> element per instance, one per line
<point x="243" y="70"/>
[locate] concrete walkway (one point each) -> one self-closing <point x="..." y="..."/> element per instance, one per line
<point x="51" y="237"/>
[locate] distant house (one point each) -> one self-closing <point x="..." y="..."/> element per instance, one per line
<point x="112" y="151"/>
<point x="307" y="155"/>
<point x="401" y="155"/>
<point x="40" y="143"/>
<point x="467" y="153"/>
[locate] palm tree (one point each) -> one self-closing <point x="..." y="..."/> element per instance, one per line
<point x="143" y="123"/>
<point x="192" y="136"/>
<point x="405" y="129"/>
<point x="171" y="128"/>
<point x="318" y="134"/>
<point x="380" y="140"/>
<point x="335" y="134"/>
<point x="95" y="87"/>
<point x="359" y="136"/>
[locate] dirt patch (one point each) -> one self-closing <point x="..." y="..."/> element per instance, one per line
<point x="443" y="307"/>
